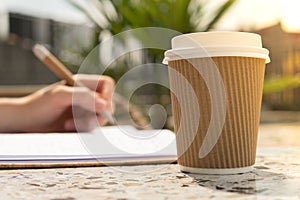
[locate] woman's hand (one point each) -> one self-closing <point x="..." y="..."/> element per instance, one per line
<point x="60" y="108"/>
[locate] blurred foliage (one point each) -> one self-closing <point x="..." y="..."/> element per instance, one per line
<point x="279" y="84"/>
<point x="114" y="16"/>
<point x="184" y="16"/>
<point x="181" y="15"/>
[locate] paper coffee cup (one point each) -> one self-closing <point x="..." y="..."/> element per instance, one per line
<point x="216" y="81"/>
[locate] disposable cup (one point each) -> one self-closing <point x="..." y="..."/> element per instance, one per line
<point x="216" y="82"/>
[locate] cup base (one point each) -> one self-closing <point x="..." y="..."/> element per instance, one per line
<point x="220" y="171"/>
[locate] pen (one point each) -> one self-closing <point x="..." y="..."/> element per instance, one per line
<point x="62" y="72"/>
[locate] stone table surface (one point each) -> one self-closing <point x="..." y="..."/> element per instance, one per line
<point x="276" y="175"/>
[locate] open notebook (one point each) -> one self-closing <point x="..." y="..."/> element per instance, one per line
<point x="112" y="145"/>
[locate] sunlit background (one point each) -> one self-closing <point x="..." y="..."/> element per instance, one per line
<point x="72" y="28"/>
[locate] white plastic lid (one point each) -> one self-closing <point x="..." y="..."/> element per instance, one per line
<point x="215" y="44"/>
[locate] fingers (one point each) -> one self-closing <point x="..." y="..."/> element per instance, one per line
<point x="78" y="96"/>
<point x="89" y="80"/>
<point x="90" y="101"/>
<point x="104" y="85"/>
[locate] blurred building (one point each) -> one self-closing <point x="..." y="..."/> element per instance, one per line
<point x="20" y="71"/>
<point x="285" y="61"/>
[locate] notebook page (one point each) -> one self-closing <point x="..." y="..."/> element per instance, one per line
<point x="104" y="143"/>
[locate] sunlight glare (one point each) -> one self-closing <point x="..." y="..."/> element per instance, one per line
<point x="290" y="18"/>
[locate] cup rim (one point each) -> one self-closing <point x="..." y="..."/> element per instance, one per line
<point x="216" y="51"/>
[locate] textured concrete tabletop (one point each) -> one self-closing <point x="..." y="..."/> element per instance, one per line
<point x="276" y="176"/>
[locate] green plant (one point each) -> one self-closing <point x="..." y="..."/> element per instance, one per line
<point x="273" y="85"/>
<point x="184" y="16"/>
<point x="113" y="17"/>
<point x="180" y="15"/>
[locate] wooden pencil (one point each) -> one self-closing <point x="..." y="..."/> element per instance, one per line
<point x="62" y="72"/>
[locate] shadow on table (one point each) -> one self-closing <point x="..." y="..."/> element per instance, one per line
<point x="259" y="182"/>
